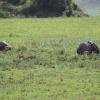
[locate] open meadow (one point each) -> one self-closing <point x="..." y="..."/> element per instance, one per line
<point x="43" y="63"/>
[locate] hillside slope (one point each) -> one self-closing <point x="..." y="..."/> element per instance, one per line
<point x="91" y="7"/>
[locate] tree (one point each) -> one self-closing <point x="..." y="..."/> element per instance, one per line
<point x="48" y="7"/>
<point x="51" y="5"/>
<point x="39" y="8"/>
<point x="16" y="2"/>
<point x="69" y="8"/>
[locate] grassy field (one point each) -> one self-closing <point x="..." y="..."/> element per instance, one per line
<point x="43" y="64"/>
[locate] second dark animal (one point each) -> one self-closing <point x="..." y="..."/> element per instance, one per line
<point x="88" y="47"/>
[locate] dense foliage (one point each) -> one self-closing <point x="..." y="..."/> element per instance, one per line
<point x="39" y="8"/>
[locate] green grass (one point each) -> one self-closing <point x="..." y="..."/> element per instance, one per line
<point x="50" y="84"/>
<point x="43" y="64"/>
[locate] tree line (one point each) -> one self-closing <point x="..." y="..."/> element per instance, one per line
<point x="39" y="8"/>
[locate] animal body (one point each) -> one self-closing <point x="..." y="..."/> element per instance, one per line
<point x="88" y="47"/>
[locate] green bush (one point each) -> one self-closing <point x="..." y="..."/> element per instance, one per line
<point x="16" y="2"/>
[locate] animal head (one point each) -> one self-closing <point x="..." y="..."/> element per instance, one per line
<point x="7" y="48"/>
<point x="95" y="49"/>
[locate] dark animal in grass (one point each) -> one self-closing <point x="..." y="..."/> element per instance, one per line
<point x="88" y="47"/>
<point x="4" y="46"/>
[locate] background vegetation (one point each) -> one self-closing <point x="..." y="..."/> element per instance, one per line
<point x="39" y="8"/>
